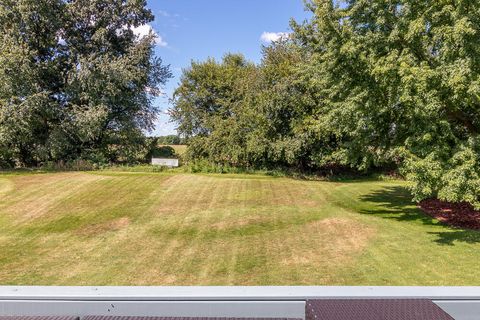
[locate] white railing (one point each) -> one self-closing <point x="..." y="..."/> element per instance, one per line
<point x="462" y="303"/>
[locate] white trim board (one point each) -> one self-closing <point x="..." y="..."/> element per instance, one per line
<point x="226" y="293"/>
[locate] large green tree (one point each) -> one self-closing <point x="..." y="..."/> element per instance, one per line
<point x="209" y="106"/>
<point x="399" y="80"/>
<point x="75" y="80"/>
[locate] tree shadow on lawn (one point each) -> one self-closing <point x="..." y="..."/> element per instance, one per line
<point x="395" y="202"/>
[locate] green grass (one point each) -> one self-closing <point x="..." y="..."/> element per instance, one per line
<point x="133" y="228"/>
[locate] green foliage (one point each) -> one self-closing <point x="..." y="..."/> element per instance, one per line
<point x="205" y="166"/>
<point x="425" y="175"/>
<point x="164" y="152"/>
<point x="170" y="140"/>
<point x="364" y="85"/>
<point x="74" y="165"/>
<point x="454" y="180"/>
<point x="75" y="81"/>
<point x="400" y="75"/>
<point x="461" y="180"/>
<point x="209" y="108"/>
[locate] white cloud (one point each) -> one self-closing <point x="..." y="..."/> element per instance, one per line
<point x="160" y="41"/>
<point x="269" y="37"/>
<point x="144" y="30"/>
<point x="163" y="13"/>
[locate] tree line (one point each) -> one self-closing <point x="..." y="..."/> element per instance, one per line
<point x="361" y="85"/>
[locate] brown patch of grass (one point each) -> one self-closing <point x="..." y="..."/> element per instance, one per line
<point x="320" y="249"/>
<point x="236" y="223"/>
<point x="331" y="241"/>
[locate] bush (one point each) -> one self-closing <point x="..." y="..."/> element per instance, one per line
<point x="74" y="165"/>
<point x="205" y="166"/>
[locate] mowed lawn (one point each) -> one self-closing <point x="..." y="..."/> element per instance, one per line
<point x="108" y="228"/>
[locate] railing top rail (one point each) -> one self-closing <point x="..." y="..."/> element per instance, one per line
<point x="226" y="293"/>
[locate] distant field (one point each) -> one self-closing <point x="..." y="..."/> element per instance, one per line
<point x="109" y="228"/>
<point x="180" y="149"/>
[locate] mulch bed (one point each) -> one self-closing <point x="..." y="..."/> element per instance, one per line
<point x="461" y="215"/>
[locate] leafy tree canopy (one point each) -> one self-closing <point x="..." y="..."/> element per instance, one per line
<point x="75" y="81"/>
<point x="401" y="79"/>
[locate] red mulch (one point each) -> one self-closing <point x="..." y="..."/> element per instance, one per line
<point x="460" y="215"/>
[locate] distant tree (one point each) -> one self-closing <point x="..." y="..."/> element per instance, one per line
<point x="208" y="106"/>
<point x="170" y="139"/>
<point x="278" y="107"/>
<point x="74" y="78"/>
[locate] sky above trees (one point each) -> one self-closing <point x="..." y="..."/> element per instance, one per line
<point x="198" y="29"/>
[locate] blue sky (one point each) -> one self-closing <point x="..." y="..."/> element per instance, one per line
<point x="198" y="29"/>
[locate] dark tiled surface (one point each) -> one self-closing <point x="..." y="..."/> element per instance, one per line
<point x="374" y="309"/>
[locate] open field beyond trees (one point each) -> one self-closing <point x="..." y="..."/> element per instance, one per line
<point x="112" y="228"/>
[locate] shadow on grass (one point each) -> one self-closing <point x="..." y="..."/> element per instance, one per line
<point x="449" y="238"/>
<point x="395" y="202"/>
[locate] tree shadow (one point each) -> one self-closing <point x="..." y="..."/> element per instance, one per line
<point x="449" y="238"/>
<point x="395" y="202"/>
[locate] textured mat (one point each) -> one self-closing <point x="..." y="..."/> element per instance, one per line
<point x="374" y="309"/>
